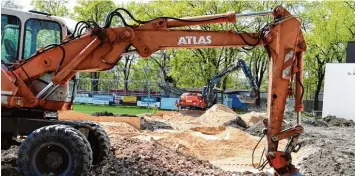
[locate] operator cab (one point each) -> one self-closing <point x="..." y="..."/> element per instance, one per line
<point x="23" y="33"/>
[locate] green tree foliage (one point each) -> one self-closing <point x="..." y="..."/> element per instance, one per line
<point x="146" y="75"/>
<point x="11" y="4"/>
<point x="53" y="7"/>
<point x="328" y="28"/>
<point x="193" y="68"/>
<point x="94" y="10"/>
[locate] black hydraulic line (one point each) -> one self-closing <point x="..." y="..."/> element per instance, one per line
<point x="252" y="156"/>
<point x="299" y="81"/>
<point x="241" y="36"/>
<point x="110" y="17"/>
<point x="24" y="71"/>
<point x="61" y="61"/>
<point x="173" y="18"/>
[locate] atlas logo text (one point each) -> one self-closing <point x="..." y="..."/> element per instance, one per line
<point x="193" y="40"/>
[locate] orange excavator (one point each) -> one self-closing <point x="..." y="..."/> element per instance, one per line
<point x="69" y="148"/>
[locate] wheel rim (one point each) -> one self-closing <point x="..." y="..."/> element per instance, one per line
<point x="51" y="158"/>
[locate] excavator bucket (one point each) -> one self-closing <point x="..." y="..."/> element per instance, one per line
<point x="246" y="99"/>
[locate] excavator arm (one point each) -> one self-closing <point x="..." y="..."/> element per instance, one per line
<point x="249" y="75"/>
<point x="102" y="47"/>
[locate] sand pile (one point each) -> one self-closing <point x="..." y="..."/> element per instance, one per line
<point x="118" y="128"/>
<point x="166" y="113"/>
<point x="182" y="118"/>
<point x="221" y="107"/>
<point x="72" y="115"/>
<point x="209" y="130"/>
<point x="229" y="143"/>
<point x="253" y="117"/>
<point x="111" y="123"/>
<point x="171" y="120"/>
<point x="217" y="115"/>
<point x="170" y="117"/>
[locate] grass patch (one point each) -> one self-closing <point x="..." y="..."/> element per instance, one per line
<point x="89" y="109"/>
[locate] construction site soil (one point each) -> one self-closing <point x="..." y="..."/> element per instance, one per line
<point x="218" y="142"/>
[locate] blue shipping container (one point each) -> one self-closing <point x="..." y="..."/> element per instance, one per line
<point x="227" y="100"/>
<point x="168" y="103"/>
<point x="237" y="104"/>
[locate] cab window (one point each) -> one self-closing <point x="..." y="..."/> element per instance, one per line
<point x="40" y="33"/>
<point x="10" y="36"/>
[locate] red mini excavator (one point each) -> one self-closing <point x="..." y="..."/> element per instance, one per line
<point x="69" y="148"/>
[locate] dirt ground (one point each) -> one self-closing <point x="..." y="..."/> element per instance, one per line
<point x="204" y="143"/>
<point x="327" y="151"/>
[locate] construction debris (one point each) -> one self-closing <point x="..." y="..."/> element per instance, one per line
<point x="253" y="117"/>
<point x="136" y="157"/>
<point x="256" y="129"/>
<point x="327" y="151"/>
<point x="330" y="121"/>
<point x="8" y="161"/>
<point x="237" y="123"/>
<point x="340" y="122"/>
<point x="103" y="113"/>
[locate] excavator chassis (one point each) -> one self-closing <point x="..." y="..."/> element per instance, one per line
<point x="24" y="121"/>
<point x="48" y="139"/>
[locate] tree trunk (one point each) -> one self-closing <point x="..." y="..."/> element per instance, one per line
<point x="125" y="84"/>
<point x="94" y="81"/>
<point x="127" y="69"/>
<point x="315" y="104"/>
<point x="258" y="101"/>
<point x="316" y="95"/>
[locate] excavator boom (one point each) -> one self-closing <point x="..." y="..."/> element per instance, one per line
<point x="102" y="47"/>
<point x="247" y="72"/>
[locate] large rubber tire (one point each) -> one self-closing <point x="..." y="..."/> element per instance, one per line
<point x="99" y="141"/>
<point x="56" y="149"/>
